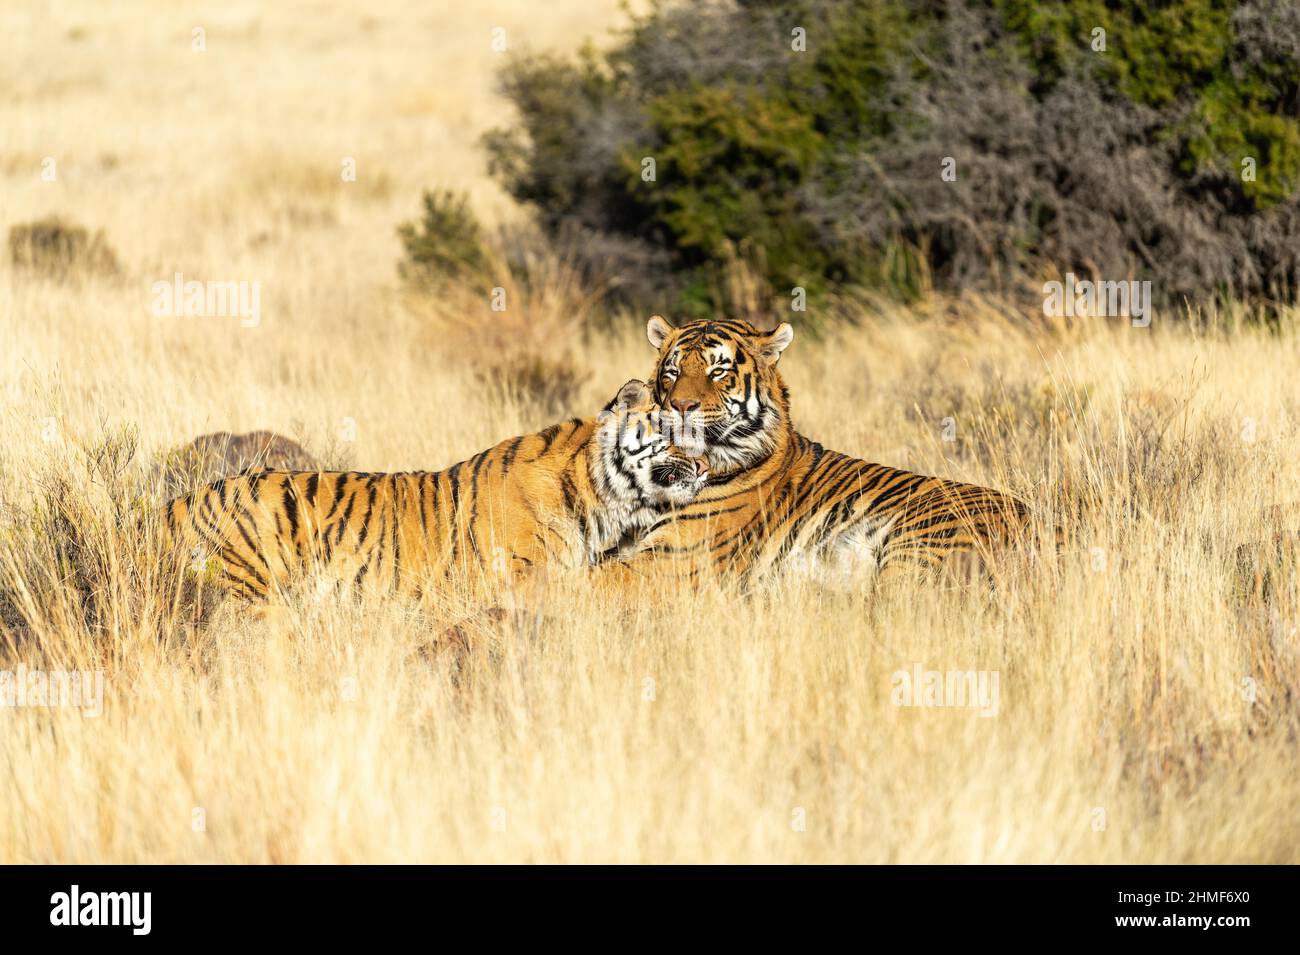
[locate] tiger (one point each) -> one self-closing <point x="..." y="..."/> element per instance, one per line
<point x="778" y="501"/>
<point x="571" y="494"/>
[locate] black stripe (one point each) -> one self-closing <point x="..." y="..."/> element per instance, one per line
<point x="370" y="509"/>
<point x="290" y="503"/>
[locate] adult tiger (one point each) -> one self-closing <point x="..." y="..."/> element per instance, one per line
<point x="777" y="499"/>
<point x="569" y="493"/>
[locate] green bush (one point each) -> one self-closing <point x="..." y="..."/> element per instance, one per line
<point x="1182" y="58"/>
<point x="446" y="244"/>
<point x="730" y="161"/>
<point x="825" y="161"/>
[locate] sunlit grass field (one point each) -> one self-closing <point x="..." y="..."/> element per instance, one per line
<point x="1146" y="707"/>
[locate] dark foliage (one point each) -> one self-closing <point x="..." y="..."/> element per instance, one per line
<point x="60" y="250"/>
<point x="447" y="242"/>
<point x="821" y="167"/>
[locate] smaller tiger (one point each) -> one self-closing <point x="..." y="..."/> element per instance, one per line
<point x="573" y="494"/>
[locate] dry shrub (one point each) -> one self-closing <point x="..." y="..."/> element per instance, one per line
<point x="84" y="559"/>
<point x="57" y="249"/>
<point x="512" y="308"/>
<point x="222" y="454"/>
<point x="549" y="384"/>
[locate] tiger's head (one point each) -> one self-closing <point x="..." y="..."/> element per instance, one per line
<point x="720" y="376"/>
<point x="639" y="464"/>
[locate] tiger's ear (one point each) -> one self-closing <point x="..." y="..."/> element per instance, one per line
<point x="657" y="330"/>
<point x="771" y="345"/>
<point x="633" y="396"/>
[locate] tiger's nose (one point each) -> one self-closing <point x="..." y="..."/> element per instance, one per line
<point x="701" y="467"/>
<point x="683" y="405"/>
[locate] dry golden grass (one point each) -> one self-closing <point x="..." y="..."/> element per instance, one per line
<point x="670" y="727"/>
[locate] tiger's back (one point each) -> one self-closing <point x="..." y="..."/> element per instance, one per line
<point x="264" y="528"/>
<point x="567" y="494"/>
<point x="833" y="517"/>
<point x="394" y="531"/>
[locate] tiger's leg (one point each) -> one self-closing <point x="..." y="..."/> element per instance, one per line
<point x="1265" y="572"/>
<point x="953" y="532"/>
<point x="522" y="604"/>
<point x="457" y="641"/>
<point x="515" y="592"/>
<point x="961" y="565"/>
<point x="272" y="613"/>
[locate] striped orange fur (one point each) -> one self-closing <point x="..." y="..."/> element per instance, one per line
<point x="776" y="499"/>
<point x="570" y="493"/>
